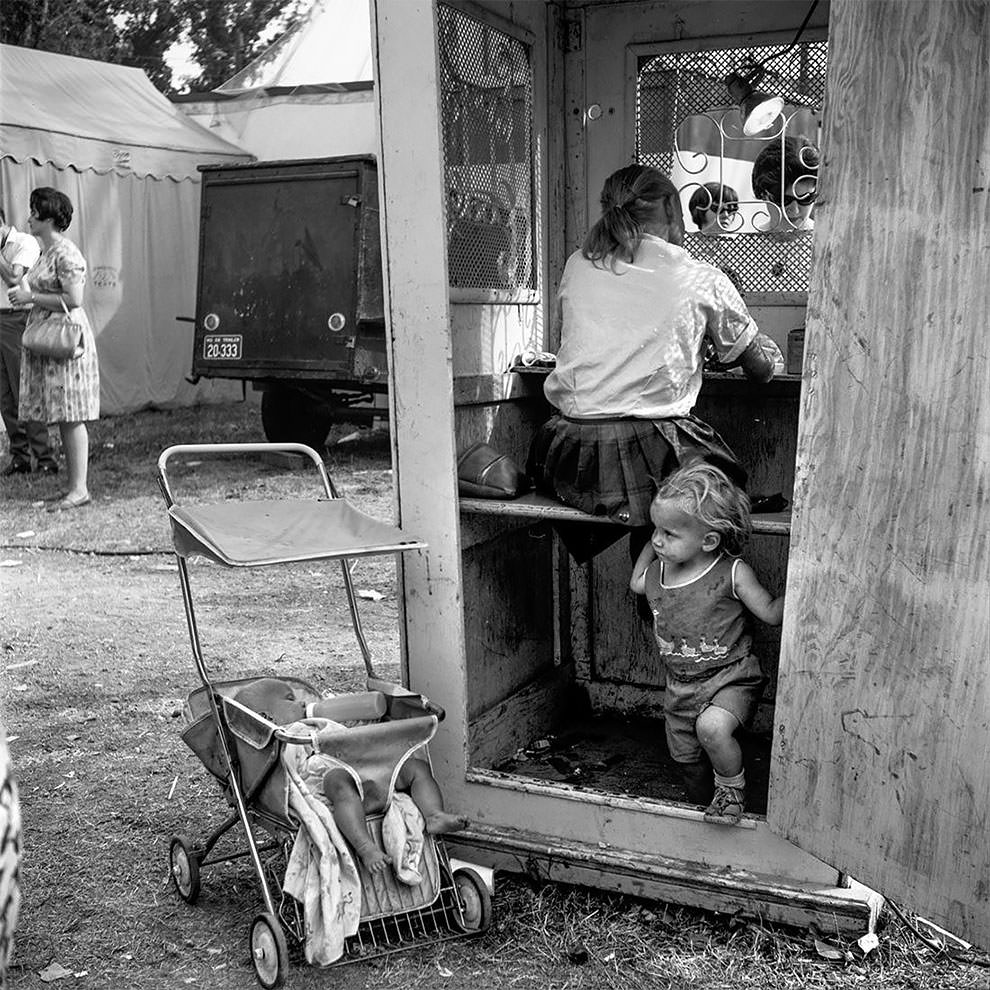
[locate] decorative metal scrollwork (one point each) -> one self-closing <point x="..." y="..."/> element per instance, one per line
<point x="486" y="114"/>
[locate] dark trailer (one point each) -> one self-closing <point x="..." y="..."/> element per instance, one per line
<point x="289" y="292"/>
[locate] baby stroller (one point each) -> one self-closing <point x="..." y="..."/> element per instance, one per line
<point x="244" y="750"/>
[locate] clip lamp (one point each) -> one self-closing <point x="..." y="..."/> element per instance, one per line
<point x="758" y="109"/>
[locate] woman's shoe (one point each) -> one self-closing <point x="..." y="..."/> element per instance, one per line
<point x="69" y="502"/>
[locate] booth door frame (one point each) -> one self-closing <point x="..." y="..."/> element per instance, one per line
<point x="654" y="848"/>
<point x="422" y="410"/>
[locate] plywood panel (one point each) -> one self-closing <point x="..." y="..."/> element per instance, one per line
<point x="508" y="622"/>
<point x="883" y="718"/>
<point x="759" y="423"/>
<point x="536" y="710"/>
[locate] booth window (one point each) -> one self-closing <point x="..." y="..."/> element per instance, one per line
<point x="486" y="93"/>
<point x="686" y="127"/>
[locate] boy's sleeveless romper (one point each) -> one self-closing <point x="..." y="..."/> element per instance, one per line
<point x="702" y="631"/>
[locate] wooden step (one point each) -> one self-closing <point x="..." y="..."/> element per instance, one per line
<point x="544" y="509"/>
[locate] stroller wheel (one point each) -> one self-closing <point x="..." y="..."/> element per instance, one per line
<point x="269" y="953"/>
<point x="473" y="900"/>
<point x="183" y="864"/>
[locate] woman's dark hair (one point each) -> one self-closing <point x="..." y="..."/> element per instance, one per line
<point x="631" y="198"/>
<point x="50" y="204"/>
<point x="709" y="197"/>
<point x="778" y="168"/>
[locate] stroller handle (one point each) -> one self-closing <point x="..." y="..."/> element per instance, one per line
<point x="434" y="709"/>
<point x="239" y="448"/>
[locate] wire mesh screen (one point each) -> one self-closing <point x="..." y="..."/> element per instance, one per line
<point x="686" y="126"/>
<point x="486" y="93"/>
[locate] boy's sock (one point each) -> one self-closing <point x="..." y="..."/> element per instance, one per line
<point x="729" y="800"/>
<point x="739" y="781"/>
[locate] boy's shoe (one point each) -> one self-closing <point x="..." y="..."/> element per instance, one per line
<point x="727" y="805"/>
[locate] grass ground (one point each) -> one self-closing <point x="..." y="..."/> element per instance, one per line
<point x="94" y="669"/>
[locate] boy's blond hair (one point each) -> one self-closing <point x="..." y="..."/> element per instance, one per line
<point x="707" y="494"/>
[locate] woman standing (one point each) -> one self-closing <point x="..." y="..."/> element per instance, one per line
<point x="636" y="310"/>
<point x="66" y="392"/>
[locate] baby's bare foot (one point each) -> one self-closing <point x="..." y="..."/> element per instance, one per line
<point x="375" y="861"/>
<point x="442" y="822"/>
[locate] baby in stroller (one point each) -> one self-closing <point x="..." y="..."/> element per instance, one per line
<point x="276" y="700"/>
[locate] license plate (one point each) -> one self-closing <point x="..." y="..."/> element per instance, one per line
<point x="222" y="347"/>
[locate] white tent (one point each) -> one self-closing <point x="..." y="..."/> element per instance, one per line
<point x="331" y="43"/>
<point x="309" y="95"/>
<point x="127" y="158"/>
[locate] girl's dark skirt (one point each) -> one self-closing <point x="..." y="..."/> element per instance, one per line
<point x="613" y="467"/>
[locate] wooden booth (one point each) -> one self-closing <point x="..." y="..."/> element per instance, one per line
<point x="498" y="123"/>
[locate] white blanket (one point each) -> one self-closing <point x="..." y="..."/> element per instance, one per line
<point x="321" y="873"/>
<point x="402" y="837"/>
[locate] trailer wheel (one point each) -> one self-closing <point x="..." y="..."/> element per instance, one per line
<point x="473" y="900"/>
<point x="269" y="953"/>
<point x="183" y="865"/>
<point x="289" y="415"/>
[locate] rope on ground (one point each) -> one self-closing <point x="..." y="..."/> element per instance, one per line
<point x="967" y="957"/>
<point x="85" y="552"/>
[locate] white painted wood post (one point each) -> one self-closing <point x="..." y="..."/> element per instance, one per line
<point x="411" y="187"/>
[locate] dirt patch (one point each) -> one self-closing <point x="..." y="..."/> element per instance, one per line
<point x="95" y="666"/>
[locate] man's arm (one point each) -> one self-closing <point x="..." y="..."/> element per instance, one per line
<point x="11" y="273"/>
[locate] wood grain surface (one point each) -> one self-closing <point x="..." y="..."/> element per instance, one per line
<point x="882" y="738"/>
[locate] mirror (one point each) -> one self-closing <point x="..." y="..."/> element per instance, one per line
<point x="732" y="185"/>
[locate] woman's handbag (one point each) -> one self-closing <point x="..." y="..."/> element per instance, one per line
<point x="57" y="336"/>
<point x="482" y="472"/>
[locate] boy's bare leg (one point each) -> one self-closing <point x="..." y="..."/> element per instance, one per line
<point x="416" y="778"/>
<point x="716" y="729"/>
<point x="348" y="813"/>
<point x="698" y="781"/>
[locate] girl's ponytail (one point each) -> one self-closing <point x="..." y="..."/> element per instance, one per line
<point x="631" y="197"/>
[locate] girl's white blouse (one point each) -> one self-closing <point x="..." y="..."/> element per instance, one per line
<point x="632" y="340"/>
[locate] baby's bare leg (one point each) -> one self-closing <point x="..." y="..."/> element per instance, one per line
<point x="416" y="778"/>
<point x="348" y="813"/>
